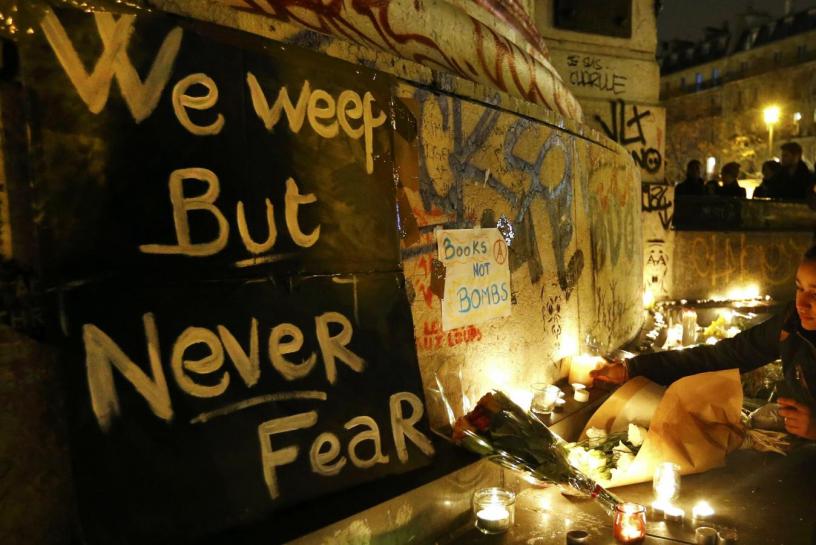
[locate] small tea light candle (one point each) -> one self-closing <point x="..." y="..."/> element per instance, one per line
<point x="702" y="510"/>
<point x="580" y="393"/>
<point x="673" y="513"/>
<point x="494" y="509"/>
<point x="659" y="508"/>
<point x="629" y="523"/>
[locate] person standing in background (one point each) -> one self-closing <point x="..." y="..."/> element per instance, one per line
<point x="770" y="169"/>
<point x="693" y="185"/>
<point x="730" y="188"/>
<point x="794" y="180"/>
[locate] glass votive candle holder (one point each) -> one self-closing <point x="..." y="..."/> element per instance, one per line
<point x="545" y="397"/>
<point x="494" y="509"/>
<point x="629" y="523"/>
<point x="689" y="321"/>
<point x="666" y="483"/>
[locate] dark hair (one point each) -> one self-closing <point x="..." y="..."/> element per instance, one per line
<point x="773" y="166"/>
<point x="732" y="169"/>
<point x="792" y="147"/>
<point x="810" y="254"/>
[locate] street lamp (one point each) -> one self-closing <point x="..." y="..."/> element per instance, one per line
<point x="771" y="116"/>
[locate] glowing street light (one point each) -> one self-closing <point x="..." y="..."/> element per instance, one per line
<point x="771" y="116"/>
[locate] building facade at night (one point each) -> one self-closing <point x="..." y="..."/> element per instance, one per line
<point x="715" y="92"/>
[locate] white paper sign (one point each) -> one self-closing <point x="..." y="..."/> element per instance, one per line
<point x="477" y="276"/>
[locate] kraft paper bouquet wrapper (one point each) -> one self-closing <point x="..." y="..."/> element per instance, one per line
<point x="694" y="423"/>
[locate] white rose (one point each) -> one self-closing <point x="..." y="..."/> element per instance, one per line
<point x="636" y="434"/>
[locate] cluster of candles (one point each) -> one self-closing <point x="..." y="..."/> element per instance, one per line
<point x="495" y="510"/>
<point x="548" y="398"/>
<point x="629" y="524"/>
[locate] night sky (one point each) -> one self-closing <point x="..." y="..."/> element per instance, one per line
<point x="686" y="19"/>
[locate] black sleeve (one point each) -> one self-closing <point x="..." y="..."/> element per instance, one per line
<point x="746" y="351"/>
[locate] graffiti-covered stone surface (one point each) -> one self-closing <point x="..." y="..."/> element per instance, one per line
<point x="573" y="208"/>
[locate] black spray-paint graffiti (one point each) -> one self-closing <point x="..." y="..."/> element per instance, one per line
<point x="654" y="198"/>
<point x="588" y="71"/>
<point x="551" y="312"/>
<point x="656" y="266"/>
<point x="621" y="130"/>
<point x="557" y="198"/>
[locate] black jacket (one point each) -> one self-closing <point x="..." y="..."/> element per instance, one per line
<point x="790" y="186"/>
<point x="781" y="336"/>
<point x="691" y="186"/>
<point x="731" y="190"/>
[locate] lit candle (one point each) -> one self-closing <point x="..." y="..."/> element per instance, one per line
<point x="494" y="510"/>
<point x="674" y="514"/>
<point x="581" y="366"/>
<point x="493" y="518"/>
<point x="629" y="524"/>
<point x="648" y="299"/>
<point x="702" y="510"/>
<point x="659" y="508"/>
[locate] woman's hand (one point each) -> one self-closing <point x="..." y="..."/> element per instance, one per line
<point x="798" y="419"/>
<point x="612" y="372"/>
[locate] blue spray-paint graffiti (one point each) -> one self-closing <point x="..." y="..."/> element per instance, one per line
<point x="466" y="147"/>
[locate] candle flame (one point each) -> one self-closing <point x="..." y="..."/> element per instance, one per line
<point x="702" y="509"/>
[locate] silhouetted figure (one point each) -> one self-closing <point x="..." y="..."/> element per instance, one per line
<point x="730" y="188"/>
<point x="770" y="169"/>
<point x="794" y="180"/>
<point x="693" y="184"/>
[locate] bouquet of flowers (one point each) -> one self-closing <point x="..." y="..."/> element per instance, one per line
<point x="604" y="456"/>
<point x="695" y="423"/>
<point x="517" y="439"/>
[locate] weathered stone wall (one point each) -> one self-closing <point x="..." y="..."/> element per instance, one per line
<point x="574" y="207"/>
<point x="617" y="81"/>
<point x="715" y="262"/>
